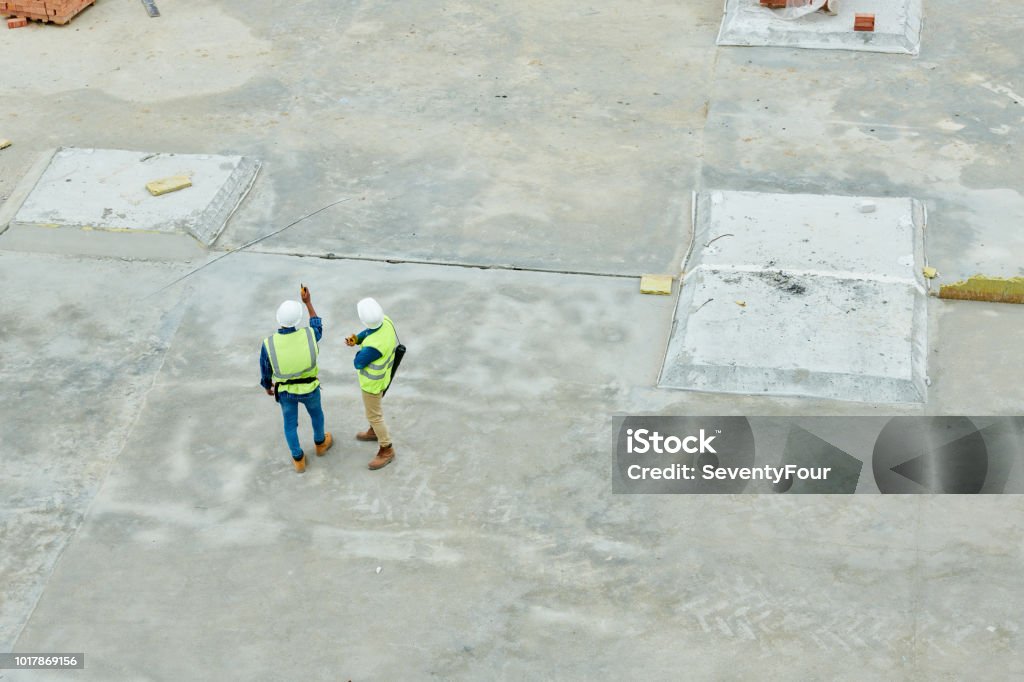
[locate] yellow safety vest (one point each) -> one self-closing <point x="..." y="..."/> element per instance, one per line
<point x="376" y="376"/>
<point x="293" y="356"/>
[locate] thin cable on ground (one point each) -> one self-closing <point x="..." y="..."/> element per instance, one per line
<point x="245" y="246"/>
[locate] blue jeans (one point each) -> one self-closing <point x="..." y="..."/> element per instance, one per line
<point x="290" y="410"/>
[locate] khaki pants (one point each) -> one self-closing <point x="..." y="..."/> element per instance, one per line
<point x="375" y="415"/>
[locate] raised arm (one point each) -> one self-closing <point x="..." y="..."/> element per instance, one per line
<point x="306" y="299"/>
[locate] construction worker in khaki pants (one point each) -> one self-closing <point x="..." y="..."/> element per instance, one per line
<point x="374" y="363"/>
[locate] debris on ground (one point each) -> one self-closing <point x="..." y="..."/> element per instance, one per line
<point x="656" y="284"/>
<point x="794" y="9"/>
<point x="4" y="143"/>
<point x="930" y="272"/>
<point x="167" y="185"/>
<point x="56" y="11"/>
<point x="17" y="22"/>
<point x="783" y="282"/>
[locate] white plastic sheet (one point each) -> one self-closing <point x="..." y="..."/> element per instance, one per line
<point x="795" y="9"/>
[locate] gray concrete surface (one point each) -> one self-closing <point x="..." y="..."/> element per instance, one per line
<point x="149" y="514"/>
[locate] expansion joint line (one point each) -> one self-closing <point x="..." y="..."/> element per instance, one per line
<point x="448" y="264"/>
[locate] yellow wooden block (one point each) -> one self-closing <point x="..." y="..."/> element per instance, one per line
<point x="930" y="272"/>
<point x="656" y="284"/>
<point x="4" y="143"/>
<point x="171" y="184"/>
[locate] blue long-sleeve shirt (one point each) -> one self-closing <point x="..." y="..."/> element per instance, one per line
<point x="266" y="372"/>
<point x="365" y="355"/>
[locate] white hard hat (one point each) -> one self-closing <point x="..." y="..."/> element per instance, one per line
<point x="289" y="313"/>
<point x="370" y="313"/>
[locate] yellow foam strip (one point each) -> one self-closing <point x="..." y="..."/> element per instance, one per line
<point x="982" y="288"/>
<point x="656" y="284"/>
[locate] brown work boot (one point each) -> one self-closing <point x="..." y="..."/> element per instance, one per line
<point x="322" y="448"/>
<point x="368" y="434"/>
<point x="383" y="458"/>
<point x="300" y="464"/>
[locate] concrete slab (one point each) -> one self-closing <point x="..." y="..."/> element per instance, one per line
<point x="803" y="295"/>
<point x="105" y="189"/>
<point x="897" y="27"/>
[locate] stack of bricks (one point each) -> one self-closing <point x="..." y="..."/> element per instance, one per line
<point x="57" y="11"/>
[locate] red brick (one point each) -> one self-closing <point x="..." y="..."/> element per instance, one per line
<point x="17" y="22"/>
<point x="864" y="22"/>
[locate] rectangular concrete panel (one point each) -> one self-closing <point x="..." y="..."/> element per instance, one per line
<point x="803" y="295"/>
<point x="897" y="27"/>
<point x="105" y="189"/>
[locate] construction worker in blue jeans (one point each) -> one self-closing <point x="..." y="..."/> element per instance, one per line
<point x="288" y="369"/>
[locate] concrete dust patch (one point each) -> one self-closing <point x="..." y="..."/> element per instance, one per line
<point x="105" y="189"/>
<point x="897" y="27"/>
<point x="802" y="295"/>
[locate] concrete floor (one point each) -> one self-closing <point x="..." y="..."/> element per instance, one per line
<point x="149" y="516"/>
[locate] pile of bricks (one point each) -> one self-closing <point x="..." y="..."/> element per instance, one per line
<point x="57" y="11"/>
